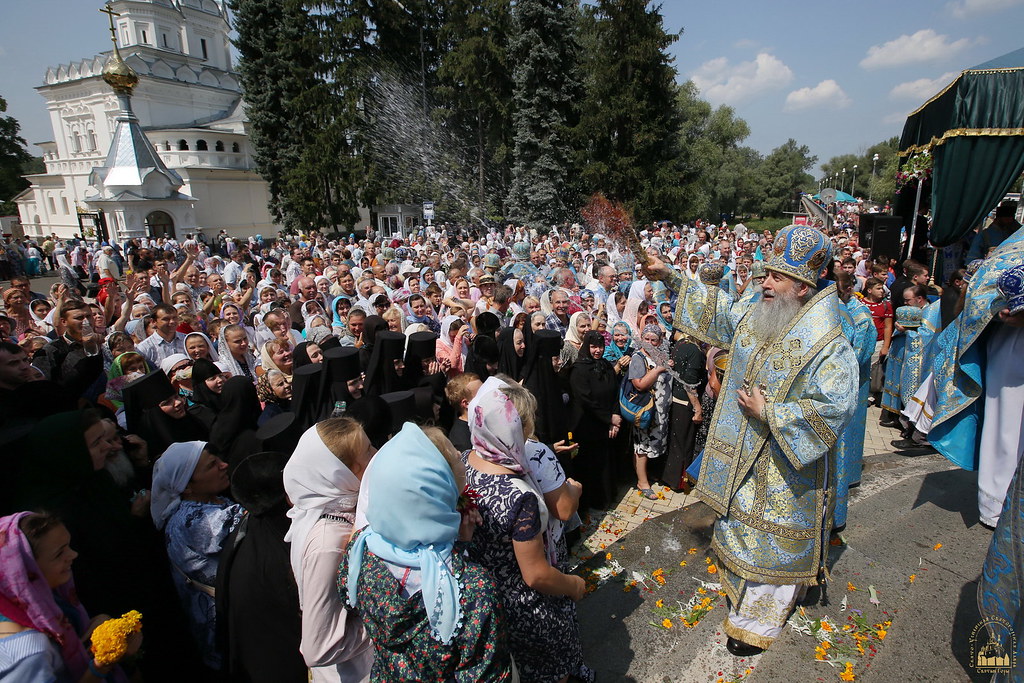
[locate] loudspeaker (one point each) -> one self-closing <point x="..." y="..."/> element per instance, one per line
<point x="880" y="232"/>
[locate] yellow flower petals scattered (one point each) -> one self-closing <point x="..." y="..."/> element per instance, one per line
<point x="912" y="577"/>
<point x="659" y="603"/>
<point x="847" y="674"/>
<point x="936" y="546"/>
<point x="682" y="563"/>
<point x="692" y="551"/>
<point x="109" y="639"/>
<point x="607" y="556"/>
<point x="850" y="586"/>
<point x="667" y="623"/>
<point x="712" y="569"/>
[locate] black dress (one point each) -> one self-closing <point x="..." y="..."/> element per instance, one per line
<point x="690" y="364"/>
<point x="594" y="389"/>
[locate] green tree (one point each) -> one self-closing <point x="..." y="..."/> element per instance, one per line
<point x="782" y="176"/>
<point x="13" y="159"/>
<point x="547" y="91"/>
<point x="629" y="121"/>
<point x="709" y="141"/>
<point x="274" y="72"/>
<point x="473" y="97"/>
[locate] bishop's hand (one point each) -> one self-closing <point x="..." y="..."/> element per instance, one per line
<point x="655" y="268"/>
<point x="751" y="403"/>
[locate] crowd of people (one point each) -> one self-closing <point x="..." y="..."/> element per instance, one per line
<point x="368" y="459"/>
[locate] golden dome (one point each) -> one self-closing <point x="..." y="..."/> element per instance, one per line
<point x="118" y="75"/>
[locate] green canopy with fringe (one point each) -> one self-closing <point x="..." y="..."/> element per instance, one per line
<point x="974" y="131"/>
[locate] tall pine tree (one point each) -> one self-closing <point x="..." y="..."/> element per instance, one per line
<point x="474" y="94"/>
<point x="547" y="81"/>
<point x="275" y="71"/>
<point x="630" y="120"/>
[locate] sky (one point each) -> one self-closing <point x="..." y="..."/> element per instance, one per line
<point x="837" y="77"/>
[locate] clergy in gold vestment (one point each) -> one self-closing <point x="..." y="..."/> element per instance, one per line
<point x="768" y="468"/>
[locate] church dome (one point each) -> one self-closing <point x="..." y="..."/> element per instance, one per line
<point x="118" y="75"/>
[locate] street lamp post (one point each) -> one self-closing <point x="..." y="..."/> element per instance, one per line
<point x="842" y="182"/>
<point x="853" y="183"/>
<point x="871" y="185"/>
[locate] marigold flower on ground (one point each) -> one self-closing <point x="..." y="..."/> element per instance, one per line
<point x="712" y="569"/>
<point x="683" y="563"/>
<point x="847" y="674"/>
<point x="607" y="556"/>
<point x="912" y="577"/>
<point x="826" y="626"/>
<point x="936" y="546"/>
<point x="692" y="551"/>
<point x="882" y="633"/>
<point x="667" y="623"/>
<point x="850" y="586"/>
<point x="109" y="639"/>
<point x="659" y="603"/>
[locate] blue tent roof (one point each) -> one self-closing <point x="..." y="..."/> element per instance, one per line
<point x="841" y="197"/>
<point x="1011" y="60"/>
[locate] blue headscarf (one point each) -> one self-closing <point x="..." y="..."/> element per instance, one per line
<point x="413" y="522"/>
<point x="336" y="319"/>
<point x="612" y="352"/>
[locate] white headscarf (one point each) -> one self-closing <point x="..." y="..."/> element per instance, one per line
<point x="171" y="474"/>
<point x="317" y="482"/>
<point x="633" y="303"/>
<point x="571" y="335"/>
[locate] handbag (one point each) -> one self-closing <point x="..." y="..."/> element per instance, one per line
<point x="635" y="406"/>
<point x="878" y="376"/>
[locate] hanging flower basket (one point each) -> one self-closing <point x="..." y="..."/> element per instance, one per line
<point x="918" y="167"/>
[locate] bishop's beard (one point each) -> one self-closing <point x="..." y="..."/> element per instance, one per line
<point x="120" y="468"/>
<point x="770" y="317"/>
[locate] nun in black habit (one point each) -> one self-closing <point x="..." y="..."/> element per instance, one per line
<point x="240" y="411"/>
<point x="540" y="378"/>
<point x="156" y="412"/>
<point x="258" y="615"/>
<point x="341" y="380"/>
<point x="373" y="326"/>
<point x="305" y="403"/>
<point x="386" y="370"/>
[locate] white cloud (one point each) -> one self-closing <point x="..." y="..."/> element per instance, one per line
<point x="894" y="118"/>
<point x="923" y="46"/>
<point x="827" y="93"/>
<point x="744" y="44"/>
<point x="922" y="88"/>
<point x="963" y="8"/>
<point x="725" y="83"/>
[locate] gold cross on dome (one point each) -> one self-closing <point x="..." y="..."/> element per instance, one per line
<point x="110" y="16"/>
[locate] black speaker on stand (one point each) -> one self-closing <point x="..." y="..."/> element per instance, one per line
<point x="881" y="232"/>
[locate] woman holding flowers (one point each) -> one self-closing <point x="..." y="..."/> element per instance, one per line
<point x="42" y="624"/>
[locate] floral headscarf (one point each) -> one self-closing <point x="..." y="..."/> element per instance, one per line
<point x="27" y="599"/>
<point x="496" y="432"/>
<point x="116" y="379"/>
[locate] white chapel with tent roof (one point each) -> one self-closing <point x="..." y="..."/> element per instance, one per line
<point x="149" y="139"/>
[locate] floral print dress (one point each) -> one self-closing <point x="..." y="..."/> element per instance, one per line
<point x="398" y="625"/>
<point x="543" y="629"/>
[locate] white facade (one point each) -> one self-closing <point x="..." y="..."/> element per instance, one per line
<point x="188" y="102"/>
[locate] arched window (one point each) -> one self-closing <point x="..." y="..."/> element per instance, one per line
<point x="92" y="140"/>
<point x="235" y="148"/>
<point x="76" y="142"/>
<point x="182" y="145"/>
<point x="167" y="145"/>
<point x="218" y="146"/>
<point x="201" y="145"/>
<point x="159" y="224"/>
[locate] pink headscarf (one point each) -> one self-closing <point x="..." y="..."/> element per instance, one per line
<point x="496" y="432"/>
<point x="26" y="598"/>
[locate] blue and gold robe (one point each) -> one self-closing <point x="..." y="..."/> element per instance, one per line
<point x="861" y="333"/>
<point x="959" y="360"/>
<point x="772" y="483"/>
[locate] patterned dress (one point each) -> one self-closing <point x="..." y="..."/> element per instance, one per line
<point x="543" y="629"/>
<point x="404" y="648"/>
<point x="195" y="536"/>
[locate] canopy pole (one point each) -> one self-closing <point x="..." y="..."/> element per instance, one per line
<point x="913" y="220"/>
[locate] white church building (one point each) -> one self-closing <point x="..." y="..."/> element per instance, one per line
<point x="165" y="156"/>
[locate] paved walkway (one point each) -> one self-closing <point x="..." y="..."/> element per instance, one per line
<point x="633" y="509"/>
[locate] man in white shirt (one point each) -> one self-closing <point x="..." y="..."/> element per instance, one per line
<point x="165" y="340"/>
<point x="106" y="266"/>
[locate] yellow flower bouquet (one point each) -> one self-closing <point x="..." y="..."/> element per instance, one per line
<point x="110" y="639"/>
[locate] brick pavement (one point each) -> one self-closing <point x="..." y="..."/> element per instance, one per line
<point x="633" y="509"/>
